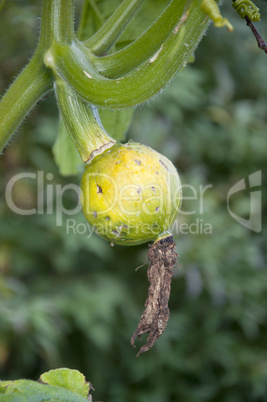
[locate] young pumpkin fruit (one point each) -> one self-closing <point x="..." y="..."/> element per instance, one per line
<point x="130" y="194"/>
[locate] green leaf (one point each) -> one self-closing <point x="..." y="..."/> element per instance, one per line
<point x="116" y="122"/>
<point x="72" y="380"/>
<point x="65" y="153"/>
<point x="31" y="391"/>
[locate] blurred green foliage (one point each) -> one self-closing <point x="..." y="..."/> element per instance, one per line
<point x="67" y="300"/>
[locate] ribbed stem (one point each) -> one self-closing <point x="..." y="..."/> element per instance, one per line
<point x="56" y="22"/>
<point x="31" y="85"/>
<point x="82" y="123"/>
<point x="106" y="36"/>
<point x="142" y="83"/>
<point x="35" y="80"/>
<point x="123" y="61"/>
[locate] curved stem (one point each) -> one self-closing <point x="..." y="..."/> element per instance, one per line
<point x="74" y="66"/>
<point x="35" y="80"/>
<point x="123" y="61"/>
<point x="106" y="36"/>
<point x="82" y="123"/>
<point x="31" y="85"/>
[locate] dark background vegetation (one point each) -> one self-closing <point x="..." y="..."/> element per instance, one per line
<point x="70" y="301"/>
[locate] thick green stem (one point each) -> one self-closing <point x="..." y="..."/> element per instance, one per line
<point x="122" y="62"/>
<point x="82" y="122"/>
<point x="73" y="65"/>
<point x="106" y="36"/>
<point x="56" y="22"/>
<point x="31" y="85"/>
<point x="35" y="80"/>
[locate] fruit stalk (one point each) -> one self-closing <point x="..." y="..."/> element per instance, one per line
<point x="82" y="122"/>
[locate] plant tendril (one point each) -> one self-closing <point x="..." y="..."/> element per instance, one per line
<point x="247" y="8"/>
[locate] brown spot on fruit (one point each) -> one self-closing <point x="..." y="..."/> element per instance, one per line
<point x="99" y="189"/>
<point x="95" y="214"/>
<point x="138" y="162"/>
<point x="163" y="164"/>
<point x="157" y="209"/>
